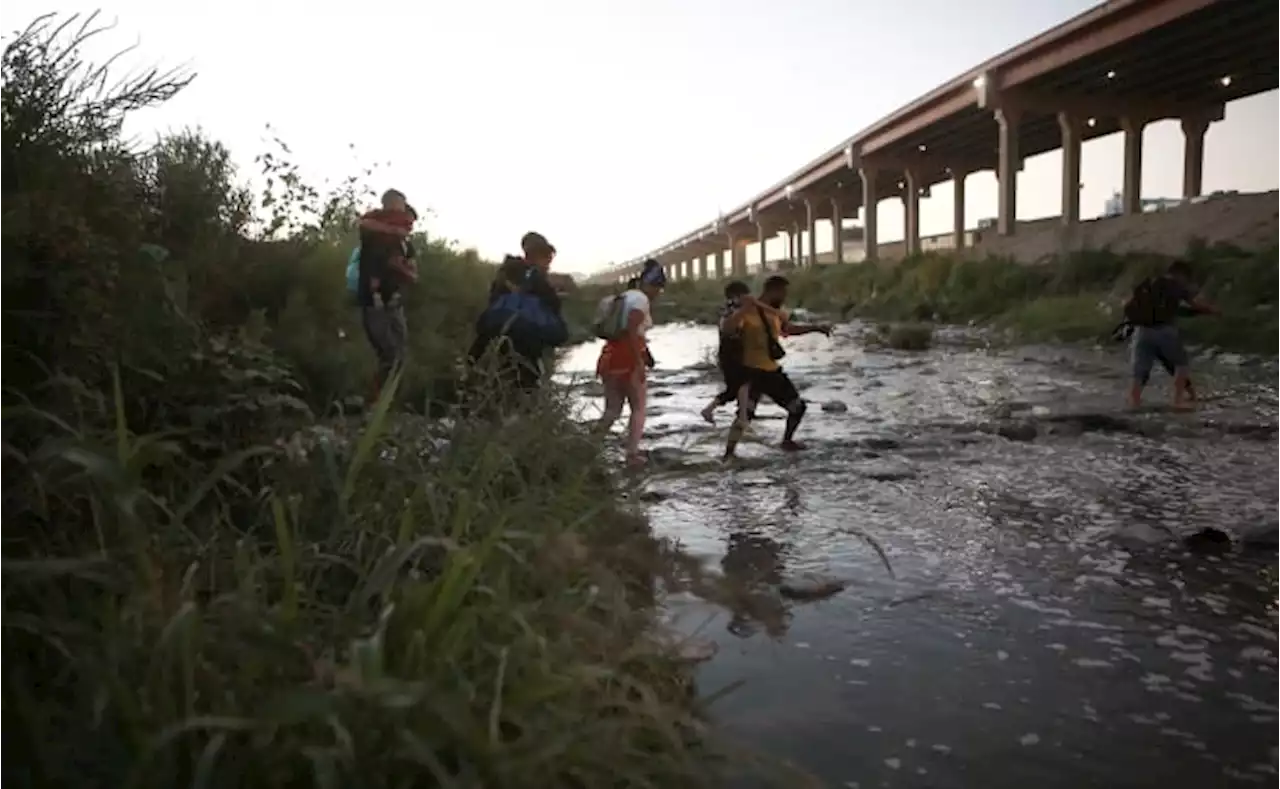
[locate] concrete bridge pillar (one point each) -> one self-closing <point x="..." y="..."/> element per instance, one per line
<point x="1070" y="127"/>
<point x="702" y="266"/>
<point x="793" y="245"/>
<point x="764" y="258"/>
<point x="837" y="226"/>
<point x="911" y="212"/>
<point x="812" y="214"/>
<point x="719" y="267"/>
<point x="957" y="209"/>
<point x="1193" y="131"/>
<point x="1131" y="196"/>
<point x="870" y="219"/>
<point x="1008" y="118"/>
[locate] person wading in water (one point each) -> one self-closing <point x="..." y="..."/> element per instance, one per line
<point x="1152" y="310"/>
<point x="729" y="352"/>
<point x="625" y="358"/>
<point x="760" y="323"/>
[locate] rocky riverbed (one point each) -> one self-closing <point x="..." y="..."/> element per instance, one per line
<point x="983" y="572"/>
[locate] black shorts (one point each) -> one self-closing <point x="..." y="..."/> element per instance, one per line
<point x="735" y="375"/>
<point x="773" y="384"/>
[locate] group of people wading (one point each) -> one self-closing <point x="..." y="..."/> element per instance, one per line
<point x="522" y="322"/>
<point x="748" y="356"/>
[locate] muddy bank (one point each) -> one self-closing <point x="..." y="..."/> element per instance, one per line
<point x="1043" y="616"/>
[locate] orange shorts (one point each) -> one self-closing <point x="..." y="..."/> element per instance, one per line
<point x="618" y="359"/>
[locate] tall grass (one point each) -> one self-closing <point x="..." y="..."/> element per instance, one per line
<point x="206" y="581"/>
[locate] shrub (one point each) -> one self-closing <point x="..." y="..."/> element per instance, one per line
<point x="205" y="586"/>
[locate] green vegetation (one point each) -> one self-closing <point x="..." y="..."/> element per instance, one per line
<point x="211" y="578"/>
<point x="904" y="336"/>
<point x="1073" y="298"/>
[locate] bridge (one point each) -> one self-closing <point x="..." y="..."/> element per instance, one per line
<point x="1115" y="68"/>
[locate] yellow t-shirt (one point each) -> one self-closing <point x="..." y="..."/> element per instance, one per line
<point x="755" y="341"/>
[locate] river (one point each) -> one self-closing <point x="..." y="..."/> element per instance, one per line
<point x="1045" y="623"/>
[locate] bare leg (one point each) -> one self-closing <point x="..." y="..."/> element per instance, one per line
<point x="614" y="396"/>
<point x="1183" y="396"/>
<point x="636" y="394"/>
<point x="739" y="425"/>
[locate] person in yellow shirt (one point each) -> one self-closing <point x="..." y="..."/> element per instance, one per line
<point x="761" y="322"/>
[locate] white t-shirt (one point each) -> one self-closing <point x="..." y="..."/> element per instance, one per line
<point x="631" y="300"/>
<point x="636" y="300"/>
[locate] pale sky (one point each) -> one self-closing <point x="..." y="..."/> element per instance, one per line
<point x="612" y="127"/>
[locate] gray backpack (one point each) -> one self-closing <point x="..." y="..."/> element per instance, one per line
<point x="611" y="318"/>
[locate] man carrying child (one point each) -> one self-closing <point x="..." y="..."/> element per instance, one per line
<point x="386" y="263"/>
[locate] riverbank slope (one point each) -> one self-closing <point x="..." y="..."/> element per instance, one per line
<point x="209" y="580"/>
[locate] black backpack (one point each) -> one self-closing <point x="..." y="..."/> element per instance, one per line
<point x="1151" y="304"/>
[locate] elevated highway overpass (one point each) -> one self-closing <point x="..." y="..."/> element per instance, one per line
<point x="1115" y="68"/>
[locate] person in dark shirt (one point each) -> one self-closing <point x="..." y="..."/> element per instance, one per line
<point x="1153" y="309"/>
<point x="386" y="263"/>
<point x="729" y="352"/>
<point x="519" y="370"/>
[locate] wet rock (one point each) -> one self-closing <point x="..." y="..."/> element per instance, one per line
<point x="661" y="393"/>
<point x="835" y="407"/>
<point x="666" y="456"/>
<point x="1233" y="359"/>
<point x="1208" y="539"/>
<point x="881" y="443"/>
<point x="1143" y="533"/>
<point x="872" y="383"/>
<point x="886" y="471"/>
<point x="1067" y="429"/>
<point x="1263" y="535"/>
<point x="808" y="589"/>
<point x="653" y="496"/>
<point x="1017" y="431"/>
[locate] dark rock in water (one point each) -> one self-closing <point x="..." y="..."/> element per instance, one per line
<point x="881" y="442"/>
<point x="872" y="383"/>
<point x="661" y="393"/>
<point x="1017" y="431"/>
<point x="666" y="456"/>
<point x="811" y="589"/>
<point x="834" y="407"/>
<point x="1069" y="429"/>
<point x="885" y="472"/>
<point x="653" y="496"/>
<point x="1207" y="539"/>
<point x="1263" y="535"/>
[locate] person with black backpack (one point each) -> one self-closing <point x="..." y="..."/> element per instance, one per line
<point x="729" y="351"/>
<point x="1152" y="310"/>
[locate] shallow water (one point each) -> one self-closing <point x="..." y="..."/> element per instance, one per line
<point x="1044" y="624"/>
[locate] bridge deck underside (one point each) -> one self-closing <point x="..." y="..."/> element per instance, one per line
<point x="1182" y="62"/>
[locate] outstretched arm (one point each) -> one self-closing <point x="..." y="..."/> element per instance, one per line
<point x="796" y="329"/>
